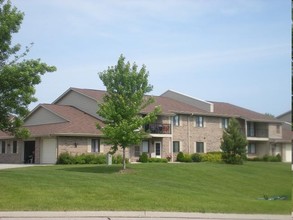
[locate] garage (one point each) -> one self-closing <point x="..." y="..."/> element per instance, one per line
<point x="48" y="152"/>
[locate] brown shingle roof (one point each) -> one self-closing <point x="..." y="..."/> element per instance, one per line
<point x="227" y="109"/>
<point x="77" y="122"/>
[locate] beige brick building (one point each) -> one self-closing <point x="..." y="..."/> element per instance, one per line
<point x="185" y="124"/>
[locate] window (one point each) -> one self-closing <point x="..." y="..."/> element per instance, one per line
<point x="278" y="129"/>
<point x="199" y="147"/>
<point x="251" y="148"/>
<point x="145" y="146"/>
<point x="176" y="120"/>
<point x="225" y="122"/>
<point x="176" y="146"/>
<point x="95" y="145"/>
<point x="3" y="147"/>
<point x="199" y="121"/>
<point x="136" y="151"/>
<point x="14" y="147"/>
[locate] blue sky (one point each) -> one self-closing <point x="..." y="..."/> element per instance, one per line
<point x="235" y="51"/>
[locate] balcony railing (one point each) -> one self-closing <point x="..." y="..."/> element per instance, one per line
<point x="158" y="128"/>
<point x="258" y="133"/>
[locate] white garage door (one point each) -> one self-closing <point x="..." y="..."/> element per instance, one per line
<point x="49" y="151"/>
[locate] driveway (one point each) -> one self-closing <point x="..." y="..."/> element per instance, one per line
<point x="10" y="166"/>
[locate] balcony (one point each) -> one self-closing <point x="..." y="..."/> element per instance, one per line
<point x="158" y="128"/>
<point x="261" y="133"/>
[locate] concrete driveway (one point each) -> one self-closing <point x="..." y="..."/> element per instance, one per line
<point x="11" y="166"/>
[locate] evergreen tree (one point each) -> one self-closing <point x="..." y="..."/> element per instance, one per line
<point x="233" y="143"/>
<point x="125" y="99"/>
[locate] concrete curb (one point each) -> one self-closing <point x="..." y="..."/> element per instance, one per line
<point x="139" y="214"/>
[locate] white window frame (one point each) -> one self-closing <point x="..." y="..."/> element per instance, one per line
<point x="176" y="122"/>
<point x="12" y="148"/>
<point x="95" y="145"/>
<point x="224" y="123"/>
<point x="178" y="146"/>
<point x="199" y="121"/>
<point x="145" y="147"/>
<point x="195" y="147"/>
<point x="1" y="147"/>
<point x="250" y="147"/>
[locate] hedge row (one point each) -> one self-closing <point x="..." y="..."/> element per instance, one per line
<point x="143" y="158"/>
<point x="267" y="158"/>
<point x="199" y="157"/>
<point x="66" y="158"/>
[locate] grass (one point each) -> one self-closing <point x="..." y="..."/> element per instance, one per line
<point x="200" y="187"/>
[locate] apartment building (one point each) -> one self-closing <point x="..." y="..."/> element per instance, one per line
<point x="185" y="124"/>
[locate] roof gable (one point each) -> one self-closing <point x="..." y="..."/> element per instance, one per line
<point x="42" y="115"/>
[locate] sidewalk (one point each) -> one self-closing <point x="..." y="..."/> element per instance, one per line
<point x="117" y="215"/>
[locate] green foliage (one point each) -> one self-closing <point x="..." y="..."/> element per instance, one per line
<point x="196" y="157"/>
<point x="233" y="144"/>
<point x="143" y="158"/>
<point x="212" y="157"/>
<point x="187" y="158"/>
<point x="66" y="158"/>
<point x="121" y="107"/>
<point x="158" y="160"/>
<point x="180" y="157"/>
<point x="18" y="77"/>
<point x="267" y="158"/>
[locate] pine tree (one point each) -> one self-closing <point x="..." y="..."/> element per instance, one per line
<point x="233" y="143"/>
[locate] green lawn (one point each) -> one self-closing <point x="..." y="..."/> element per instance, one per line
<point x="196" y="187"/>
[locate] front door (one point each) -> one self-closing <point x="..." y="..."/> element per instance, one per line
<point x="158" y="149"/>
<point x="29" y="152"/>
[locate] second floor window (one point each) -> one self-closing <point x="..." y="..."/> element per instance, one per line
<point x="199" y="121"/>
<point x="176" y="120"/>
<point x="225" y="122"/>
<point x="278" y="130"/>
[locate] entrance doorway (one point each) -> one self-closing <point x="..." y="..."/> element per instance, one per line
<point x="29" y="152"/>
<point x="158" y="149"/>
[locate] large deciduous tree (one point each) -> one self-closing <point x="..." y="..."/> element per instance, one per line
<point x="233" y="144"/>
<point x="122" y="104"/>
<point x="18" y="76"/>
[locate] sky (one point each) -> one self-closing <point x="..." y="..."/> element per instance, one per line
<point x="235" y="51"/>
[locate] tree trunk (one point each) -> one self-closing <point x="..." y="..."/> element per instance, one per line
<point x="124" y="162"/>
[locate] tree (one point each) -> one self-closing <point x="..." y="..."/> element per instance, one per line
<point x="233" y="143"/>
<point x="18" y="76"/>
<point x="124" y="100"/>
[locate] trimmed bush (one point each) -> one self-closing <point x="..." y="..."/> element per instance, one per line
<point x="180" y="157"/>
<point x="65" y="158"/>
<point x="196" y="157"/>
<point x="187" y="158"/>
<point x="212" y="157"/>
<point x="157" y="160"/>
<point x="143" y="158"/>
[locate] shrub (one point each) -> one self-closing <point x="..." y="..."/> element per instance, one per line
<point x="180" y="157"/>
<point x="65" y="158"/>
<point x="143" y="158"/>
<point x="158" y="160"/>
<point x="196" y="157"/>
<point x="117" y="159"/>
<point x="187" y="158"/>
<point x="212" y="157"/>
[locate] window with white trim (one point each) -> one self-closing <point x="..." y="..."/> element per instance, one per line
<point x="199" y="147"/>
<point x="176" y="146"/>
<point x="176" y="120"/>
<point x="3" y="147"/>
<point x="225" y="122"/>
<point x="145" y="146"/>
<point x="199" y="121"/>
<point x="95" y="147"/>
<point x="251" y="148"/>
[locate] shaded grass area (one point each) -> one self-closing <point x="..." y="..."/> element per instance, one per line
<point x="200" y="187"/>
